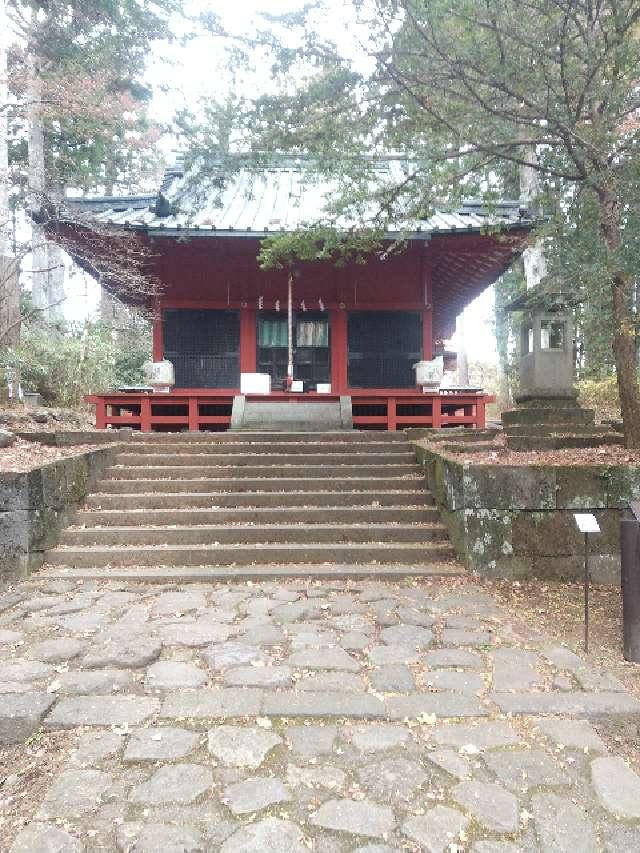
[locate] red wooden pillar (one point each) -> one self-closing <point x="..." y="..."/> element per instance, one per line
<point x="145" y="414"/>
<point x="427" y="313"/>
<point x="391" y="414"/>
<point x="193" y="414"/>
<point x="437" y="412"/>
<point x="427" y="335"/>
<point x="101" y="413"/>
<point x="480" y="421"/>
<point x="158" y="342"/>
<point x="248" y="340"/>
<point x="338" y="323"/>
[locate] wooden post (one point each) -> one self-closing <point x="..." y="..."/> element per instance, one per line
<point x="248" y="340"/>
<point x="101" y="413"/>
<point x="391" y="414"/>
<point x="436" y="411"/>
<point x="158" y="342"/>
<point x="427" y="335"/>
<point x="480" y="420"/>
<point x="338" y="321"/>
<point x="193" y="414"/>
<point x="145" y="414"/>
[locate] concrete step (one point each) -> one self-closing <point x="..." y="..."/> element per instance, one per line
<point x="209" y="500"/>
<point x="250" y="459"/>
<point x="288" y="448"/>
<point x="204" y="574"/>
<point x="355" y="437"/>
<point x="292" y="515"/>
<point x="303" y="471"/>
<point x="331" y="534"/>
<point x="415" y="482"/>
<point x="96" y="557"/>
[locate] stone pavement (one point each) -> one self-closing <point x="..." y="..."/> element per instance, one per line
<point x="296" y="716"/>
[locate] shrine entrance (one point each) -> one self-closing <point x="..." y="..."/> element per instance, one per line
<point x="311" y="348"/>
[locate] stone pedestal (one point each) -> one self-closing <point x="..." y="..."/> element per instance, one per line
<point x="551" y="423"/>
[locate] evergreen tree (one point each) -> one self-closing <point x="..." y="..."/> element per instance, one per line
<point x="463" y="87"/>
<point x="80" y="74"/>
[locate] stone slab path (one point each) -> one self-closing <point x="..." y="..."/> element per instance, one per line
<point x="287" y="717"/>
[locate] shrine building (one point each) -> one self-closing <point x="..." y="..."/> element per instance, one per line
<point x="346" y="338"/>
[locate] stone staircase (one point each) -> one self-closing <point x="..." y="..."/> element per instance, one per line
<point x="198" y="506"/>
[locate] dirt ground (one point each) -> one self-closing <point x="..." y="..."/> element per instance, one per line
<point x="26" y="772"/>
<point x="26" y="455"/>
<point x="497" y="453"/>
<point x="558" y="610"/>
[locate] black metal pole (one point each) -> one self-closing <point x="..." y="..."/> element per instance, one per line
<point x="630" y="577"/>
<point x="586" y="593"/>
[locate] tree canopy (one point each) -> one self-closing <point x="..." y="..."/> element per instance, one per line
<point x="467" y="90"/>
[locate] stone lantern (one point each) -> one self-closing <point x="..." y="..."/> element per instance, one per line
<point x="547" y="352"/>
<point x="548" y="415"/>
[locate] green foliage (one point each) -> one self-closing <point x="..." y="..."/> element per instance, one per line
<point x="64" y="364"/>
<point x="318" y="243"/>
<point x="601" y="395"/>
<point x="467" y="91"/>
<point x="90" y="58"/>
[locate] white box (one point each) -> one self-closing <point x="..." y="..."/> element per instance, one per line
<point x="323" y="387"/>
<point x="255" y="383"/>
<point x="297" y="385"/>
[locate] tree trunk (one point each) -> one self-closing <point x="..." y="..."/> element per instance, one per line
<point x="9" y="286"/>
<point x="502" y="345"/>
<point x="5" y="215"/>
<point x="39" y="283"/>
<point x="623" y="339"/>
<point x="47" y="277"/>
<point x="533" y="257"/>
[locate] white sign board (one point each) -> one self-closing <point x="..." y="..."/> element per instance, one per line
<point x="255" y="383"/>
<point x="587" y="522"/>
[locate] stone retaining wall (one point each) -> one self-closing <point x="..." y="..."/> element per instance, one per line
<point x="70" y="438"/>
<point x="517" y="521"/>
<point x="36" y="505"/>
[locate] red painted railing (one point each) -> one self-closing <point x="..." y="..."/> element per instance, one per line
<point x="204" y="409"/>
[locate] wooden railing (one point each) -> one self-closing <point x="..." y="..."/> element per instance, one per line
<point x="197" y="410"/>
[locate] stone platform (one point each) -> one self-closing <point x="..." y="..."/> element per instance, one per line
<point x="309" y="715"/>
<point x="549" y="423"/>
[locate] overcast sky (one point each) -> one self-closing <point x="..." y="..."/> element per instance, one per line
<point x="183" y="75"/>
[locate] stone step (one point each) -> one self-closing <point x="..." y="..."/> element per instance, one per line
<point x="192" y="555"/>
<point x="246" y="436"/>
<point x="415" y="482"/>
<point x="331" y="534"/>
<point x="247" y="459"/>
<point x="547" y="428"/>
<point x="548" y="414"/>
<point x="525" y="443"/>
<point x="279" y="515"/>
<point x="205" y="574"/>
<point x="275" y="447"/>
<point x="208" y="500"/>
<point x="180" y="472"/>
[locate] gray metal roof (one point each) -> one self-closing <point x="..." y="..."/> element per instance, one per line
<point x="281" y="198"/>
